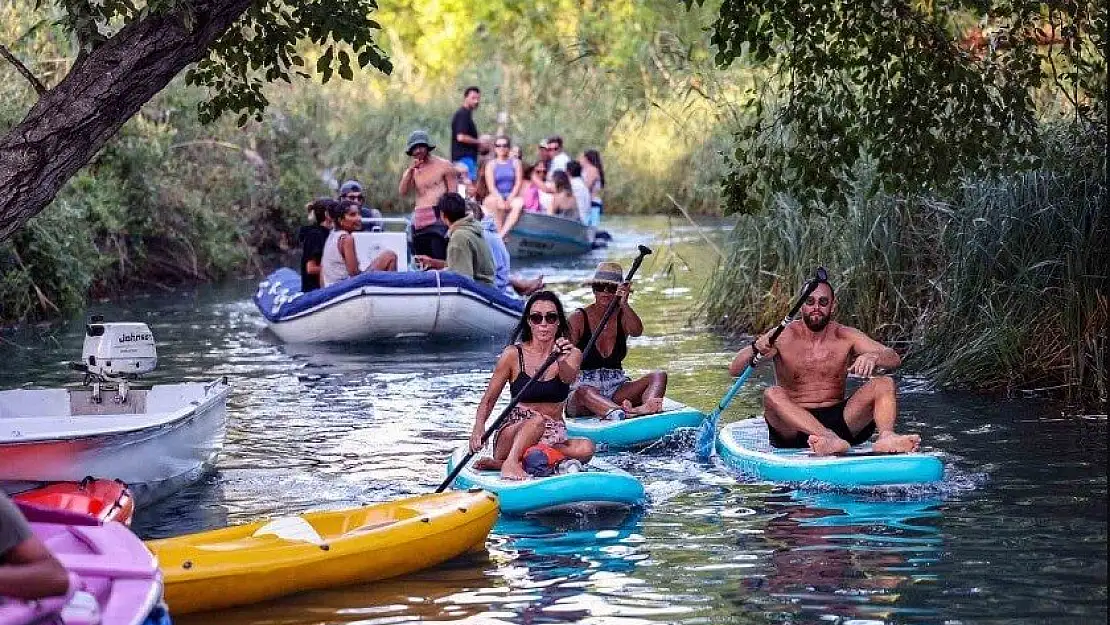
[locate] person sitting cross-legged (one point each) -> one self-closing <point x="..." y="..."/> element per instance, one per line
<point x="603" y="388"/>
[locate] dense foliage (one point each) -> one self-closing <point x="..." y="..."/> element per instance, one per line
<point x="927" y="92"/>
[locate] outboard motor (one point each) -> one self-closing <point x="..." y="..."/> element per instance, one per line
<point x="115" y="353"/>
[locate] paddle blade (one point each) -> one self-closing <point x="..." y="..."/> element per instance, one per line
<point x="707" y="436"/>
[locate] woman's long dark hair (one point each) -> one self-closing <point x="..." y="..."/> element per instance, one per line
<point x="523" y="330"/>
<point x="561" y="181"/>
<point x="594" y="159"/>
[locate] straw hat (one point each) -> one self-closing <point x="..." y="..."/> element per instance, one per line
<point x="607" y="273"/>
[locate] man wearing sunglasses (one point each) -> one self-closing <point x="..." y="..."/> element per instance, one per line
<point x="352" y="190"/>
<point x="813" y="357"/>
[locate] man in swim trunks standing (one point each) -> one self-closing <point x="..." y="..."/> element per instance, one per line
<point x="813" y="357"/>
<point x="431" y="177"/>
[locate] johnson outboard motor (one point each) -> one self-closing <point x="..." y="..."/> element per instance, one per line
<point x="115" y="353"/>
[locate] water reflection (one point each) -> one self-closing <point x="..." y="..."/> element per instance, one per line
<point x="1016" y="534"/>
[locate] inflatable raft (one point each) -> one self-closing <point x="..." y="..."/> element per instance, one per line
<point x="745" y="446"/>
<point x="600" y="486"/>
<point x="637" y="431"/>
<point x="250" y="563"/>
<point x="381" y="306"/>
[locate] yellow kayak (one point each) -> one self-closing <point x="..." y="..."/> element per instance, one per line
<point x="249" y="563"/>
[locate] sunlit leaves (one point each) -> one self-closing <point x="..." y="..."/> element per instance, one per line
<point x="262" y="48"/>
<point x="892" y="80"/>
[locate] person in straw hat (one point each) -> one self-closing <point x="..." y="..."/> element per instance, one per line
<point x="431" y="177"/>
<point x="602" y="387"/>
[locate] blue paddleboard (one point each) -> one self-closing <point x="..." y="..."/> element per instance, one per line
<point x="745" y="446"/>
<point x="636" y="431"/>
<point x="600" y="486"/>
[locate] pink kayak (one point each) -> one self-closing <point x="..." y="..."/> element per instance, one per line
<point x="114" y="579"/>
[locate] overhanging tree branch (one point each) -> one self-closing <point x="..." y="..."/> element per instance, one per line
<point x="22" y="69"/>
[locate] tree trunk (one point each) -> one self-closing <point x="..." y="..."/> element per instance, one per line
<point x="72" y="121"/>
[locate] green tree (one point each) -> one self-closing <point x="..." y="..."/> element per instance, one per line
<point x="926" y="90"/>
<point x="129" y="51"/>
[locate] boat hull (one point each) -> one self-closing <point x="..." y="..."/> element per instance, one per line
<point x="744" y="446"/>
<point x="636" y="432"/>
<point x="251" y="563"/>
<point x="153" y="454"/>
<point x="380" y="307"/>
<point x="536" y="234"/>
<point x="602" y="487"/>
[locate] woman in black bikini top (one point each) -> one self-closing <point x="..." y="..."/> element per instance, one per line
<point x="538" y="418"/>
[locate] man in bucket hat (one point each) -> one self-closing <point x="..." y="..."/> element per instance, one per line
<point x="603" y="388"/>
<point x="431" y="177"/>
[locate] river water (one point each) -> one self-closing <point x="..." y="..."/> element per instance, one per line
<point x="1017" y="533"/>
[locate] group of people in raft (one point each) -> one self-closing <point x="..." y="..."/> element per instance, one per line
<point x="806" y="408"/>
<point x="474" y="196"/>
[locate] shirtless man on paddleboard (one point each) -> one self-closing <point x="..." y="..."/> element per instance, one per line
<point x="813" y="357"/>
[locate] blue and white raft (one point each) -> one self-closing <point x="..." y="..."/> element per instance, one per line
<point x="600" y="486"/>
<point x="637" y="431"/>
<point x="379" y="306"/>
<point x="745" y="446"/>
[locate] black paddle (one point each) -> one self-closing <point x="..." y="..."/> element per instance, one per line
<point x="644" y="251"/>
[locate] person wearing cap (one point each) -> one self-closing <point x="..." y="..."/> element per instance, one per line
<point x="465" y="140"/>
<point x="603" y="388"/>
<point x="806" y="407"/>
<point x="555" y="154"/>
<point x="352" y="190"/>
<point x="467" y="252"/>
<point x="27" y="569"/>
<point x="430" y="177"/>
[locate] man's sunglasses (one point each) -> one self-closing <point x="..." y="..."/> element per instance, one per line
<point x="605" y="288"/>
<point x="550" y="318"/>
<point x="817" y="301"/>
<point x="353" y="196"/>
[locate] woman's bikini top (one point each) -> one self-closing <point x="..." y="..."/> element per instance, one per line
<point x="594" y="359"/>
<point x="551" y="391"/>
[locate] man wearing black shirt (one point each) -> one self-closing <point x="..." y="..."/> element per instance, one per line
<point x="465" y="140"/>
<point x="312" y="238"/>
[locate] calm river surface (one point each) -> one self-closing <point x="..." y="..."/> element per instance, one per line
<point x="1016" y="534"/>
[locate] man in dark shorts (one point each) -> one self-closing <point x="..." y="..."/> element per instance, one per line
<point x="27" y="569"/>
<point x="813" y="357"/>
<point x="465" y="140"/>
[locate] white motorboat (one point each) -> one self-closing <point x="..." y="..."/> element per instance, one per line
<point x="156" y="438"/>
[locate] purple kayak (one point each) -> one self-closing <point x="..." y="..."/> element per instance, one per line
<point x="114" y="579"/>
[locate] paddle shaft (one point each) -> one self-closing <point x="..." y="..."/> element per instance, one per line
<point x="644" y="251"/>
<point x="708" y="435"/>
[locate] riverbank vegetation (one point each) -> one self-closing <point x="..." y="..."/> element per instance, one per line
<point x="170" y="200"/>
<point x="947" y="165"/>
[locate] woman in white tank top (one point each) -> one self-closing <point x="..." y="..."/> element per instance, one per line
<point x="339" y="260"/>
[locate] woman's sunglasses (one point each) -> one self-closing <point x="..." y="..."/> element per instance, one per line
<point x="539" y="171"/>
<point x="550" y="318"/>
<point x="501" y="145"/>
<point x="605" y="288"/>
